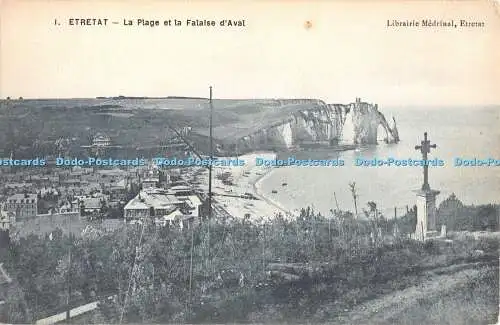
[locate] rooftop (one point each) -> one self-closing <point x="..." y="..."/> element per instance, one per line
<point x="17" y="197"/>
<point x="101" y="136"/>
<point x="112" y="172"/>
<point x="92" y="203"/>
<point x="176" y="215"/>
<point x="14" y="185"/>
<point x="151" y="179"/>
<point x="152" y="198"/>
<point x="179" y="188"/>
<point x="122" y="184"/>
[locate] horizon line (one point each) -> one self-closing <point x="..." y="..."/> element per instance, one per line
<point x="19" y="99"/>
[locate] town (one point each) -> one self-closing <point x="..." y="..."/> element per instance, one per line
<point x="33" y="197"/>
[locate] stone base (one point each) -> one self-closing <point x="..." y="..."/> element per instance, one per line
<point x="432" y="234"/>
<point x="426" y="214"/>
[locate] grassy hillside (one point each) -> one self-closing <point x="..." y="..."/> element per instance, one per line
<point x="282" y="271"/>
<point x="134" y="122"/>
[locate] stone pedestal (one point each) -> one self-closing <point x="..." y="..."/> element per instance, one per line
<point x="443" y="231"/>
<point x="426" y="214"/>
<point x="395" y="230"/>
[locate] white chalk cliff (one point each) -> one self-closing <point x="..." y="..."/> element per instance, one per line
<point x="354" y="123"/>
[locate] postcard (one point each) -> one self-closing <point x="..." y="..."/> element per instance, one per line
<point x="166" y="162"/>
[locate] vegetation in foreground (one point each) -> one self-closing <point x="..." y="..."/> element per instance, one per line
<point x="227" y="271"/>
<point x="474" y="302"/>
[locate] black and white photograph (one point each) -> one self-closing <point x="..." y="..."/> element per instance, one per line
<point x="254" y="162"/>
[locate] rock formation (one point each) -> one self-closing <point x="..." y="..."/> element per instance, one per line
<point x="312" y="121"/>
<point x="366" y="119"/>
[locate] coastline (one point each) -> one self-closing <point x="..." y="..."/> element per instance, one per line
<point x="257" y="191"/>
<point x="246" y="179"/>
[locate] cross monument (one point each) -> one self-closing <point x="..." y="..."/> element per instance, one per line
<point x="426" y="197"/>
<point x="425" y="148"/>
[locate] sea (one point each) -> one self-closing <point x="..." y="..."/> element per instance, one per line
<point x="457" y="132"/>
<point x="469" y="132"/>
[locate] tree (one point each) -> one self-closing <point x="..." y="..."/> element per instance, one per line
<point x="104" y="207"/>
<point x="82" y="208"/>
<point x="486" y="218"/>
<point x="354" y="193"/>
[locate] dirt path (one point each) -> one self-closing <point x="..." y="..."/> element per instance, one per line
<point x="414" y="304"/>
<point x="4" y="274"/>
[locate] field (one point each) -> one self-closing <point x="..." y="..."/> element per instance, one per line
<point x="281" y="271"/>
<point x="456" y="297"/>
<point x="31" y="125"/>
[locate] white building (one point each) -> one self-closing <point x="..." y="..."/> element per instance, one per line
<point x="101" y="140"/>
<point x="188" y="209"/>
<point x="22" y="205"/>
<point x="150" y="182"/>
<point x="151" y="178"/>
<point x="158" y="204"/>
<point x="176" y="218"/>
<point x="150" y="202"/>
<point x="4" y="220"/>
<point x="92" y="204"/>
<point x="68" y="207"/>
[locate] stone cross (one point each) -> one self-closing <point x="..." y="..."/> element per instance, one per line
<point x="425" y="148"/>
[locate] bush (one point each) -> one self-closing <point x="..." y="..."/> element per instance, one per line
<point x="488" y="245"/>
<point x="432" y="247"/>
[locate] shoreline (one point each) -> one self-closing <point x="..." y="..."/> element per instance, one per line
<point x="246" y="180"/>
<point x="257" y="191"/>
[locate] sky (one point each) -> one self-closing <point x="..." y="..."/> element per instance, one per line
<point x="347" y="52"/>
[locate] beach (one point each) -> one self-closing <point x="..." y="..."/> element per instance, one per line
<point x="390" y="187"/>
<point x="247" y="180"/>
<point x="322" y="188"/>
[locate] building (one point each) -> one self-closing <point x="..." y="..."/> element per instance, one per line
<point x="151" y="202"/>
<point x="4" y="229"/>
<point x="150" y="182"/>
<point x="176" y="219"/>
<point x="151" y="177"/>
<point x="91" y="204"/>
<point x="4" y="220"/>
<point x="118" y="191"/>
<point x="101" y="140"/>
<point x="22" y="205"/>
<point x="163" y="205"/>
<point x="181" y="190"/>
<point x="100" y="144"/>
<point x="70" y="207"/>
<point x="188" y="210"/>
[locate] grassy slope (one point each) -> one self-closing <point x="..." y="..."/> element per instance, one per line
<point x="251" y="117"/>
<point x="143" y="124"/>
<point x="447" y="278"/>
<point x="463" y="297"/>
